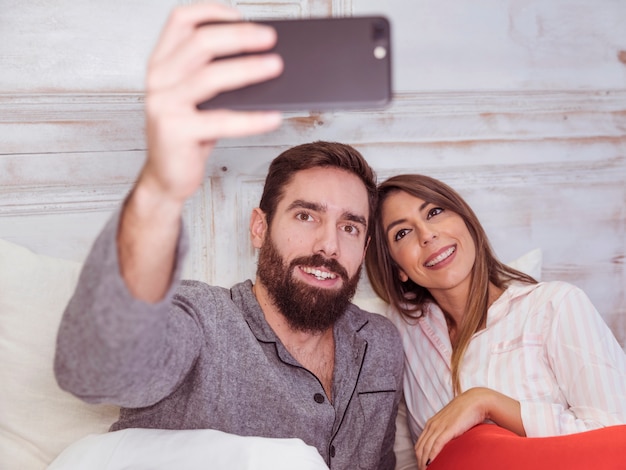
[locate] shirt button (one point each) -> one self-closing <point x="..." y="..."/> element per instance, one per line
<point x="332" y="451"/>
<point x="318" y="397"/>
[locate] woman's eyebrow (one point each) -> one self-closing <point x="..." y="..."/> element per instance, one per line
<point x="393" y="224"/>
<point x="423" y="206"/>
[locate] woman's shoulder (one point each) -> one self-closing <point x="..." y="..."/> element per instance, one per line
<point x="551" y="298"/>
<point x="546" y="290"/>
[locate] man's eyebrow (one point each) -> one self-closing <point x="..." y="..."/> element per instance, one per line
<point x="317" y="207"/>
<point x="359" y="219"/>
<point x="302" y="204"/>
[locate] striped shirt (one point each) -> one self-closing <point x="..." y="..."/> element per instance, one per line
<point x="544" y="345"/>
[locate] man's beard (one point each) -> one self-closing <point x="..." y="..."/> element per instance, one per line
<point x="306" y="308"/>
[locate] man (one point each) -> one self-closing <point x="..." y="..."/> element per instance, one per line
<point x="285" y="357"/>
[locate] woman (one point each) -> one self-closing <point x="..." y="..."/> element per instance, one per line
<point x="487" y="343"/>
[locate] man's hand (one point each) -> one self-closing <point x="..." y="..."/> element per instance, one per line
<point x="182" y="72"/>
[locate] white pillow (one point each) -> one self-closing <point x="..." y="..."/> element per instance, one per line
<point x="37" y="419"/>
<point x="529" y="263"/>
<point x="191" y="449"/>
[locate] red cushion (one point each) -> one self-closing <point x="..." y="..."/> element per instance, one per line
<point x="488" y="446"/>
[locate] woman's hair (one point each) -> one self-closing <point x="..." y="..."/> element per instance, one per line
<point x="315" y="155"/>
<point x="408" y="297"/>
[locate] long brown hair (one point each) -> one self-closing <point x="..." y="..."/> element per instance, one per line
<point x="408" y="297"/>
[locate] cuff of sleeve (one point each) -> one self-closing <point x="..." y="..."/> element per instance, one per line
<point x="538" y="419"/>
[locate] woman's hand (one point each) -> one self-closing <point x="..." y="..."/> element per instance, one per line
<point x="470" y="408"/>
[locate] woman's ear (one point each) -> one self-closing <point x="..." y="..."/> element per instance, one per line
<point x="402" y="275"/>
<point x="258" y="227"/>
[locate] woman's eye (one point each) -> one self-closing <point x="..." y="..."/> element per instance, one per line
<point x="400" y="234"/>
<point x="434" y="211"/>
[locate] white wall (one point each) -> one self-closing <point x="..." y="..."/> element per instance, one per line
<point x="519" y="104"/>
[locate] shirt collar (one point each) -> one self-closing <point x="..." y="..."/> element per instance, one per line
<point x="500" y="308"/>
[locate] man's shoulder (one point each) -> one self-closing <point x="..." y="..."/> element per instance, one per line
<point x="196" y="289"/>
<point x="200" y="293"/>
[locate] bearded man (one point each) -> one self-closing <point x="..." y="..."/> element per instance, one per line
<point x="285" y="357"/>
<point x="288" y="356"/>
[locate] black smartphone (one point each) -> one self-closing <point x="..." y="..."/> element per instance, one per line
<point x="329" y="64"/>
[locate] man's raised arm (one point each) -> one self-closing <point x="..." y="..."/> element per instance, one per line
<point x="181" y="73"/>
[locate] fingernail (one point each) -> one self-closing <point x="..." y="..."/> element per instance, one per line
<point x="266" y="33"/>
<point x="428" y="462"/>
<point x="274" y="62"/>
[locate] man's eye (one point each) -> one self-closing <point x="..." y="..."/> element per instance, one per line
<point x="304" y="216"/>
<point x="351" y="229"/>
<point x="400" y="234"/>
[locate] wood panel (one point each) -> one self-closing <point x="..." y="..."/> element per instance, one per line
<point x="519" y="104"/>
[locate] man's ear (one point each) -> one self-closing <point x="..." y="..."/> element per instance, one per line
<point x="258" y="227"/>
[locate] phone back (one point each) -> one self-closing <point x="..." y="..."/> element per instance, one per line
<point x="329" y="64"/>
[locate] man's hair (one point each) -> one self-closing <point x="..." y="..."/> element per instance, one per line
<point x="316" y="155"/>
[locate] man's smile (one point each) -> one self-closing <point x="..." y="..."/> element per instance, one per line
<point x="318" y="273"/>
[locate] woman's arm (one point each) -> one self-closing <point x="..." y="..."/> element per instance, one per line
<point x="470" y="408"/>
<point x="589" y="366"/>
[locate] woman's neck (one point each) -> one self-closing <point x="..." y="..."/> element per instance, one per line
<point x="454" y="305"/>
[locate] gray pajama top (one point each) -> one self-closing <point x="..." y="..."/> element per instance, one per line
<point x="204" y="357"/>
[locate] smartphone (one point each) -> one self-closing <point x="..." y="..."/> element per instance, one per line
<point x="329" y="64"/>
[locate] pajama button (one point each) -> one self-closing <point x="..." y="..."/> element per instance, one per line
<point x="318" y="397"/>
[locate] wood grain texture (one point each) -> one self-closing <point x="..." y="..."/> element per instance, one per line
<point x="519" y="104"/>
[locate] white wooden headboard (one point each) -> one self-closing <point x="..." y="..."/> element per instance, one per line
<point x="519" y="104"/>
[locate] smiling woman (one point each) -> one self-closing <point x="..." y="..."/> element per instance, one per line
<point x="484" y="342"/>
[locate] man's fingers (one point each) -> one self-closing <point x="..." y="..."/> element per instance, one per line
<point x="206" y="44"/>
<point x="228" y="75"/>
<point x="183" y="21"/>
<point x="180" y="101"/>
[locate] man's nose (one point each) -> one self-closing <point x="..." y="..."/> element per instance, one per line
<point x="327" y="241"/>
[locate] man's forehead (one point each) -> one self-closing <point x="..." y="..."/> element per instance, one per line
<point x="326" y="189"/>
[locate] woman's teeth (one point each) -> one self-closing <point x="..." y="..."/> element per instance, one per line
<point x="441" y="257"/>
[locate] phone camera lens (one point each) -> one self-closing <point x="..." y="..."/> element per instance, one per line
<point x="378" y="30"/>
